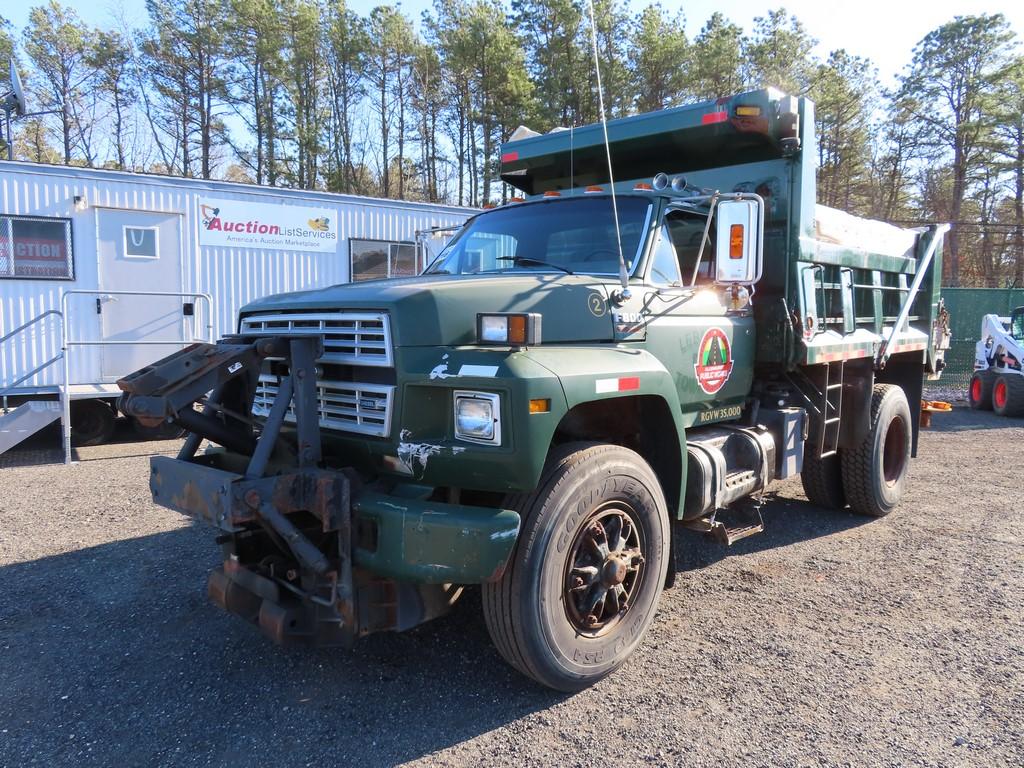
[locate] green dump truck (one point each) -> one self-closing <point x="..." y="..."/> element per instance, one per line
<point x="577" y="376"/>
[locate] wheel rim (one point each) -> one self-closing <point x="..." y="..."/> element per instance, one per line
<point x="87" y="424"/>
<point x="976" y="390"/>
<point x="999" y="394"/>
<point x="894" y="452"/>
<point x="605" y="569"/>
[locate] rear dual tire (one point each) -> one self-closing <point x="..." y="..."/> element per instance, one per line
<point x="875" y="472"/>
<point x="870" y="477"/>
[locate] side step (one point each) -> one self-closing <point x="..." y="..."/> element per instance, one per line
<point x="25" y="420"/>
<point x="731" y="524"/>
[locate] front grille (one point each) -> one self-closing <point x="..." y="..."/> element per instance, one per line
<point x="354" y="338"/>
<point x="347" y="406"/>
<point x="360" y="339"/>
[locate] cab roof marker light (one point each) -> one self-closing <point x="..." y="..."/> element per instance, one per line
<point x="552" y="193"/>
<point x="517" y="199"/>
<point x="643" y="186"/>
<point x="592" y="189"/>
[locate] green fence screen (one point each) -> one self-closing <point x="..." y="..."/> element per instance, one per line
<point x="966" y="308"/>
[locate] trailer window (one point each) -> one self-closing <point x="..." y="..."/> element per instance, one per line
<point x="141" y="243"/>
<point x="376" y="259"/>
<point x="35" y="247"/>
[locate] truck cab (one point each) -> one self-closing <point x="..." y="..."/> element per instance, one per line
<point x="578" y="374"/>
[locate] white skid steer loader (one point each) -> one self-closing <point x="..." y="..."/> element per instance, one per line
<point x="998" y="380"/>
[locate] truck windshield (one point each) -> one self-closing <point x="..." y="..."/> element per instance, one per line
<point x="567" y="235"/>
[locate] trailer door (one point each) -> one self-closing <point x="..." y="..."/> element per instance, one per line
<point x="138" y="251"/>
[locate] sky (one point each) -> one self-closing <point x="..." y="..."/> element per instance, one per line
<point x="883" y="30"/>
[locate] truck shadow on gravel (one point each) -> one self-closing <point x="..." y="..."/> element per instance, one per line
<point x="112" y="655"/>
<point x="786" y="521"/>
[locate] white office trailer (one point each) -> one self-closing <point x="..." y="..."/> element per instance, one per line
<point x="103" y="272"/>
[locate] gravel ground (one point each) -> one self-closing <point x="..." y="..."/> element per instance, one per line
<point x="827" y="640"/>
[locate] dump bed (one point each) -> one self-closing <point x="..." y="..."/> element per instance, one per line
<point x="834" y="285"/>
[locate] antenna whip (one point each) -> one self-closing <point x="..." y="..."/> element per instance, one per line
<point x="623" y="274"/>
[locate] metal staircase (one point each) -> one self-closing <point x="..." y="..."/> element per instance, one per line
<point x="24" y="420"/>
<point x="29" y="416"/>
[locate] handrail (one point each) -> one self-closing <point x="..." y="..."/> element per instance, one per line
<point x="173" y="294"/>
<point x="897" y="327"/>
<point x="30" y="374"/>
<point x="65" y="343"/>
<point x="42" y="315"/>
<point x="33" y="321"/>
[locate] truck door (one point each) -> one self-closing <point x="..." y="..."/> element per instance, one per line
<point x="708" y="347"/>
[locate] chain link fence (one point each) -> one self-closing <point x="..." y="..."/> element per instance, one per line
<point x="966" y="308"/>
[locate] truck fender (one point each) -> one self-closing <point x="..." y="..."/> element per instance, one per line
<point x="593" y="377"/>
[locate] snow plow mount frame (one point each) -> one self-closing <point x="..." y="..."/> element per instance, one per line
<point x="314" y="600"/>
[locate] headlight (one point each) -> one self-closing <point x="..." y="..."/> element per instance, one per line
<point x="478" y="417"/>
<point x="517" y="330"/>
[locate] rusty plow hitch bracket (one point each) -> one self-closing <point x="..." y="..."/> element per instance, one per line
<point x="288" y="533"/>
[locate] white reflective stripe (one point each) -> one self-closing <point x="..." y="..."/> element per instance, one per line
<point x="478" y="370"/>
<point x="602" y="386"/>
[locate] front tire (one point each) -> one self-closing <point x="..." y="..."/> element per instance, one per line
<point x="584" y="579"/>
<point x="875" y="472"/>
<point x="979" y="394"/>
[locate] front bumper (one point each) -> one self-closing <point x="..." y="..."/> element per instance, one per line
<point x="399" y="537"/>
<point x="310" y="559"/>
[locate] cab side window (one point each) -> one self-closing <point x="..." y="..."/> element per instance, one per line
<point x="687" y="231"/>
<point x="665" y="262"/>
<point x="1017" y="325"/>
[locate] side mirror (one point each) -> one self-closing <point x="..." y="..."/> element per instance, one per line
<point x="739" y="241"/>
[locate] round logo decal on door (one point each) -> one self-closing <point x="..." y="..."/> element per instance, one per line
<point x="714" y="361"/>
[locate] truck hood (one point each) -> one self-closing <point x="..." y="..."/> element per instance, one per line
<point x="441" y="310"/>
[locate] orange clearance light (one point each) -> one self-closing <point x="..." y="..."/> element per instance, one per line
<point x="643" y="186"/>
<point x="517" y="199"/>
<point x="552" y="193"/>
<point x="593" y="188"/>
<point x="540" y="405"/>
<point x="517" y="329"/>
<point x="736" y="241"/>
<point x="488" y="206"/>
<point x="747" y="110"/>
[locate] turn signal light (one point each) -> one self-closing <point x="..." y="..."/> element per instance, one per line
<point x="540" y="405"/>
<point x="736" y="241"/>
<point x="746" y="110"/>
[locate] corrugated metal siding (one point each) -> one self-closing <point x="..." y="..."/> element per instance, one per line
<point x="232" y="276"/>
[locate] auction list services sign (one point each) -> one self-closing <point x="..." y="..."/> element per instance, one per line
<point x="241" y="224"/>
